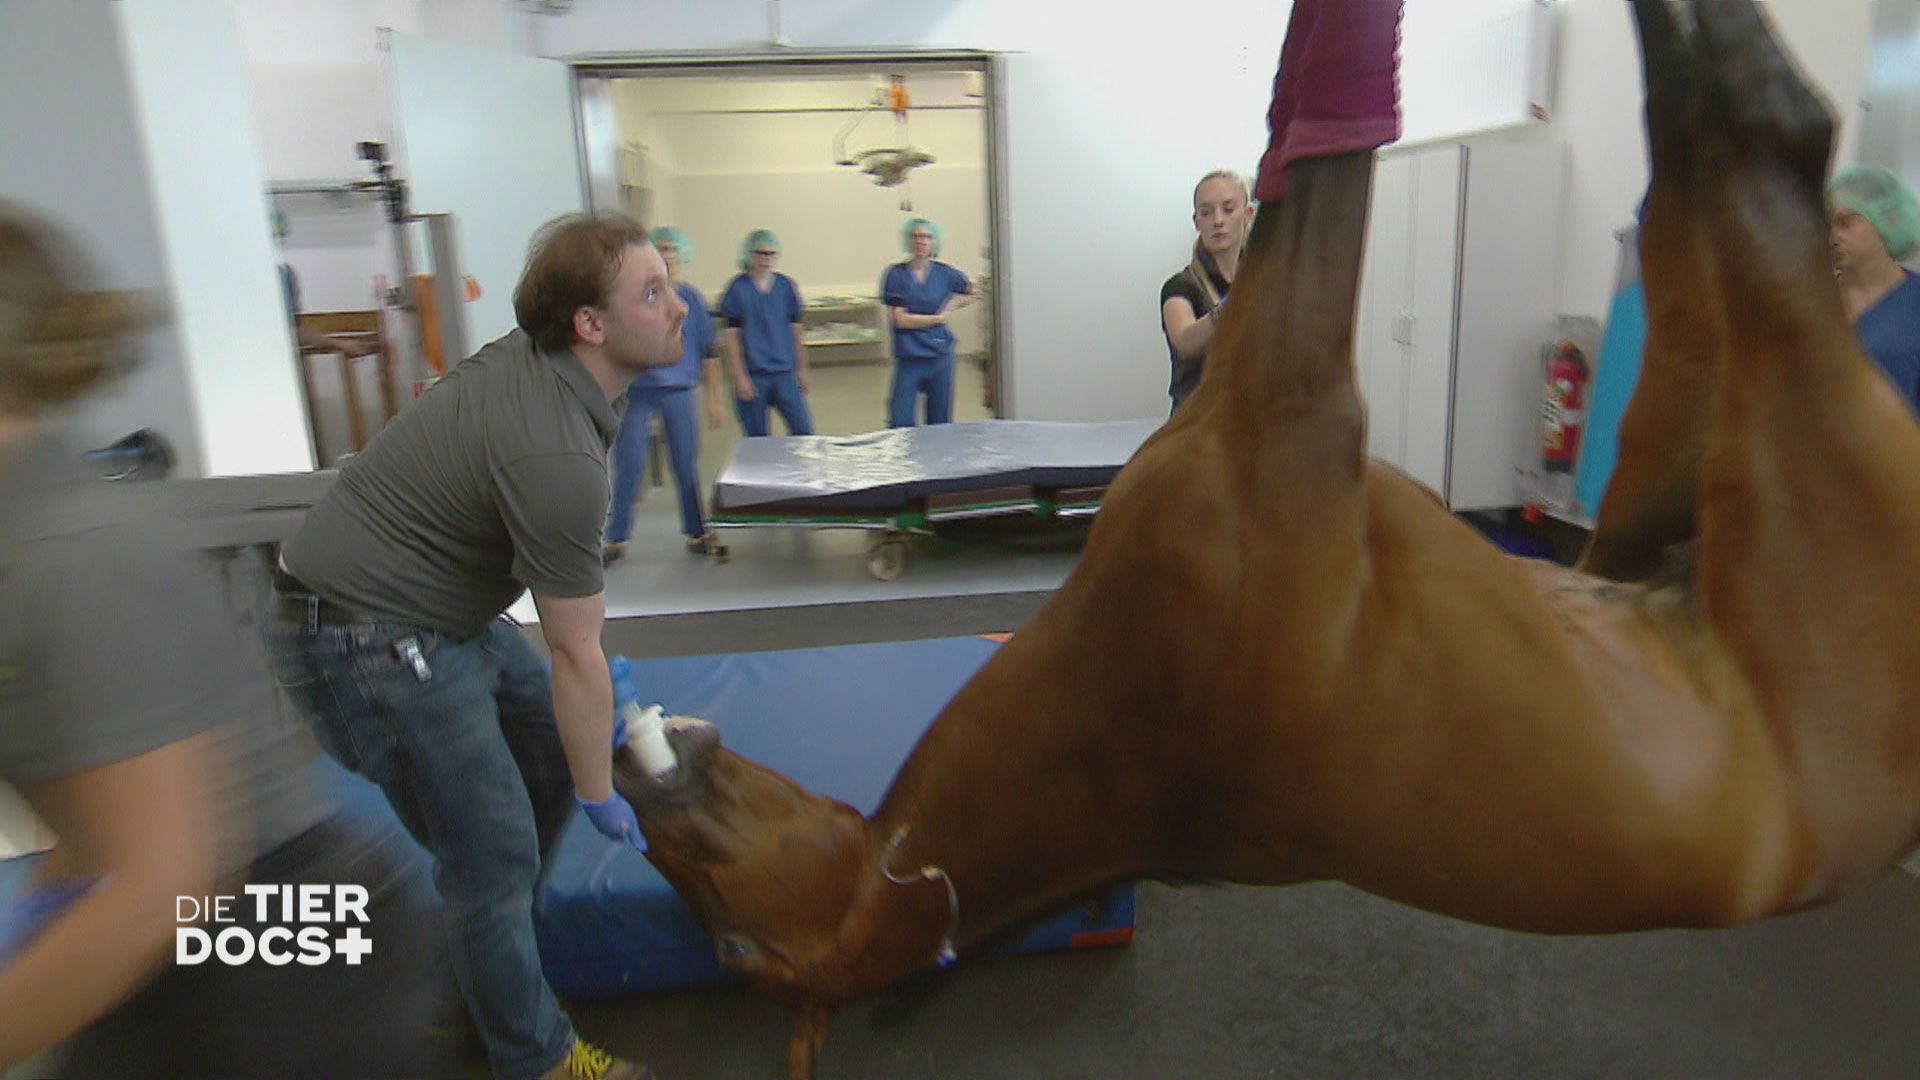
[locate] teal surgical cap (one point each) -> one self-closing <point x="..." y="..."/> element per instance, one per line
<point x="757" y="238"/>
<point x="667" y="234"/>
<point x="1877" y="193"/>
<point x="906" y="234"/>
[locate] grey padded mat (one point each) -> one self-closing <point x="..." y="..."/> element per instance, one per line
<point x="885" y="470"/>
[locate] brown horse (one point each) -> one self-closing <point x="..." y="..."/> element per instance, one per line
<point x="1280" y="662"/>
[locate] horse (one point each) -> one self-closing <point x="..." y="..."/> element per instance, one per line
<point x="1278" y="661"/>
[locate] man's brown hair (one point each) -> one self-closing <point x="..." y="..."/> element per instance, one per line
<point x="571" y="264"/>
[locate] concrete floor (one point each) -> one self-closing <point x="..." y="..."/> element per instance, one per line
<point x="1324" y="981"/>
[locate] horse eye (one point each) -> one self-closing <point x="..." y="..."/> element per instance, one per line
<point x="735" y="950"/>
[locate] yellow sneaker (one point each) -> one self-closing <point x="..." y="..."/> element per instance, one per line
<point x="588" y="1062"/>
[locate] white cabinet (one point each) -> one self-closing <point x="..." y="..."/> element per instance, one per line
<point x="1457" y="298"/>
<point x="843" y="329"/>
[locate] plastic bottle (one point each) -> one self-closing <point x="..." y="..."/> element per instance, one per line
<point x="645" y="728"/>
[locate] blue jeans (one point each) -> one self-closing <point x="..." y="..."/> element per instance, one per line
<point x="911" y="378"/>
<point x="781" y="392"/>
<point x="676" y="409"/>
<point x="468" y="755"/>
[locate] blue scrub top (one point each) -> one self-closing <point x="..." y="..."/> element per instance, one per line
<point x="899" y="290"/>
<point x="1889" y="331"/>
<point x="698" y="335"/>
<point x="765" y="321"/>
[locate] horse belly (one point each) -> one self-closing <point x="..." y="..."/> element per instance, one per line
<point x="1551" y="767"/>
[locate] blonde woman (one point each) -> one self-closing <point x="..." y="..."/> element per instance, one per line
<point x="136" y="729"/>
<point x="1190" y="301"/>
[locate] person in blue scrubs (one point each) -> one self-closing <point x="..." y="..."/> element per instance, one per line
<point x="765" y="350"/>
<point x="921" y="295"/>
<point x="1876" y="223"/>
<point x="669" y="393"/>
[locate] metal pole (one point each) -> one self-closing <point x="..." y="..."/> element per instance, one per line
<point x="449" y="288"/>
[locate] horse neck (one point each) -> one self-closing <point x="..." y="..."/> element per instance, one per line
<point x="1018" y="793"/>
<point x="1287" y="340"/>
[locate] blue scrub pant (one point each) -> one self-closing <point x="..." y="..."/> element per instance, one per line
<point x="911" y="378"/>
<point x="677" y="415"/>
<point x="781" y="392"/>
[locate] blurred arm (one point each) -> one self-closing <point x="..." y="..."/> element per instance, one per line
<point x="148" y="823"/>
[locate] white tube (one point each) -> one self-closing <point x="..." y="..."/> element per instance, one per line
<point x="647" y="734"/>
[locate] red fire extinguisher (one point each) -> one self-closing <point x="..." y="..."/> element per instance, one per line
<point x="1565" y="412"/>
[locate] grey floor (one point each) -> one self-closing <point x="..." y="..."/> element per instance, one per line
<point x="1324" y="981"/>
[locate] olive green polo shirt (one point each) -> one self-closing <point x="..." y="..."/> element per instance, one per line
<point x="495" y="481"/>
<point x="118" y="639"/>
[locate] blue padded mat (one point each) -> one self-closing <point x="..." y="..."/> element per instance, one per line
<point x="840" y="721"/>
<point x="13" y="875"/>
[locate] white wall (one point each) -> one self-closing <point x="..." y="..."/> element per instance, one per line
<point x="319" y="84"/>
<point x="203" y="163"/>
<point x="657" y="167"/>
<point x="1890" y="130"/>
<point x="484" y="136"/>
<point x="1108" y="137"/>
<point x="135" y="113"/>
<point x="1598" y="114"/>
<point x="837" y="232"/>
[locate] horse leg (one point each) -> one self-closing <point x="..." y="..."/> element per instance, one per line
<point x="1809" y="515"/>
<point x="1649" y="502"/>
<point x="1282" y="366"/>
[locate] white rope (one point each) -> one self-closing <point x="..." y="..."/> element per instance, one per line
<point x="945" y="954"/>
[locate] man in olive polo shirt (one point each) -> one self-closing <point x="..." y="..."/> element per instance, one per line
<point x="389" y="629"/>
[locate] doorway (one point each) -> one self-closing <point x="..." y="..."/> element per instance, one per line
<point x="835" y="158"/>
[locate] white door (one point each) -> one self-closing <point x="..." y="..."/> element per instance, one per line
<point x="1404" y="341"/>
<point x="488" y="137"/>
<point x="1439" y="178"/>
<point x="1382" y="349"/>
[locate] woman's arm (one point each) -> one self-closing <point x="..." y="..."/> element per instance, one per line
<point x="907" y="320"/>
<point x="148" y="824"/>
<point x="737" y="364"/>
<point x="1188" y="335"/>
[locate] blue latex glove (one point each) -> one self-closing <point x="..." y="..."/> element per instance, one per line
<point x="34" y="908"/>
<point x="615" y="820"/>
